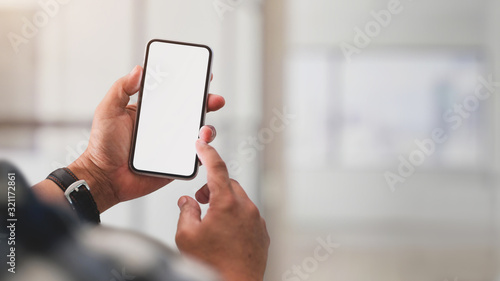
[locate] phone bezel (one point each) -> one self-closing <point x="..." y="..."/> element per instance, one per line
<point x="138" y="113"/>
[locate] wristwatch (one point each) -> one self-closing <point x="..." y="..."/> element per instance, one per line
<point x="78" y="194"/>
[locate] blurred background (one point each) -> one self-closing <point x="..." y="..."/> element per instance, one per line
<point x="365" y="130"/>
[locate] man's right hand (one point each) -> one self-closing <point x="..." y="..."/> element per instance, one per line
<point x="232" y="237"/>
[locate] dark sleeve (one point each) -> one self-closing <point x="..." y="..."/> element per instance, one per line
<point x="25" y="223"/>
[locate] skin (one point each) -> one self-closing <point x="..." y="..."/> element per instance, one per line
<point x="232" y="237"/>
<point x="104" y="164"/>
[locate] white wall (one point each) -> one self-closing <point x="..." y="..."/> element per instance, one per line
<point x="440" y="216"/>
<point x="85" y="47"/>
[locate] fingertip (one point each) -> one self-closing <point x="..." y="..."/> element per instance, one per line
<point x="190" y="213"/>
<point x="220" y="101"/>
<point x="203" y="195"/>
<point x="215" y="102"/>
<point x="207" y="133"/>
<point x="182" y="201"/>
<point x="134" y="81"/>
<point x="136" y="71"/>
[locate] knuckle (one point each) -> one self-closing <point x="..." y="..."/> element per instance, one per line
<point x="264" y="224"/>
<point x="253" y="211"/>
<point x="266" y="233"/>
<point x="267" y="240"/>
<point x="179" y="239"/>
<point x="234" y="182"/>
<point x="230" y="203"/>
<point x="132" y="107"/>
<point x="220" y="165"/>
<point x="180" y="234"/>
<point x="183" y="237"/>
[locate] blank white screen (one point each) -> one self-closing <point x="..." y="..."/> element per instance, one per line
<point x="171" y="108"/>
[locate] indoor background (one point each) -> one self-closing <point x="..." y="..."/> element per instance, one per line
<point x="365" y="128"/>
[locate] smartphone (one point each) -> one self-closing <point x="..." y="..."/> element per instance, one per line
<point x="171" y="109"/>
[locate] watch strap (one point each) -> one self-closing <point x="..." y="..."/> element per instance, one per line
<point x="78" y="195"/>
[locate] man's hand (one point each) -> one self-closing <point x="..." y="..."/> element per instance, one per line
<point x="232" y="237"/>
<point x="104" y="164"/>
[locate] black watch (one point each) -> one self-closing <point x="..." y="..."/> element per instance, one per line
<point x="78" y="194"/>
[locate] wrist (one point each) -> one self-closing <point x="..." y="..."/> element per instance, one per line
<point x="232" y="275"/>
<point x="48" y="192"/>
<point x="100" y="185"/>
<point x="240" y="277"/>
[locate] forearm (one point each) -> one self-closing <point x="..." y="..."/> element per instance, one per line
<point x="50" y="193"/>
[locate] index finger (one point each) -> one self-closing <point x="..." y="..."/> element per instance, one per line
<point x="217" y="175"/>
<point x="215" y="102"/>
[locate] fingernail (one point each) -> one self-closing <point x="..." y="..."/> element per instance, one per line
<point x="136" y="68"/>
<point x="133" y="70"/>
<point x="200" y="141"/>
<point x="214" y="132"/>
<point x="182" y="201"/>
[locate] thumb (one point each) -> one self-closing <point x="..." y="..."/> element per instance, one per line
<point x="119" y="94"/>
<point x="190" y="215"/>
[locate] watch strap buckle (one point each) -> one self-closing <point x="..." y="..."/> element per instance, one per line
<point x="75" y="187"/>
